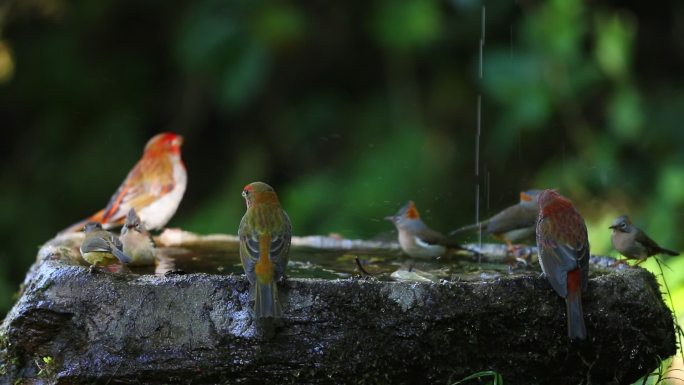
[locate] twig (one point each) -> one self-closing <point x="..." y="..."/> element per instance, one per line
<point x="358" y="264"/>
<point x="674" y="312"/>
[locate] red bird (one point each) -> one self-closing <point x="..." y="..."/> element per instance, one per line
<point x="564" y="255"/>
<point x="154" y="187"/>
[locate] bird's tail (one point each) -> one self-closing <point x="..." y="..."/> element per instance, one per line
<point x="453" y="244"/>
<point x="463" y="229"/>
<point x="473" y="227"/>
<point x="266" y="303"/>
<point x="666" y="251"/>
<point x="78" y="226"/>
<point x="576" y="328"/>
<point x="123" y="258"/>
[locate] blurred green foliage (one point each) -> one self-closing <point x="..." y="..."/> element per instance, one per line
<point x="349" y="109"/>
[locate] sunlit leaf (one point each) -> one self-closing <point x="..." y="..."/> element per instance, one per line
<point x="404" y="25"/>
<point x="625" y="113"/>
<point x="614" y="38"/>
<point x="6" y="62"/>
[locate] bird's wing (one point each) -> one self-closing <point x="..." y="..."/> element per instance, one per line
<point x="280" y="246"/>
<point x="512" y="218"/>
<point x="121" y="256"/>
<point x="116" y="242"/>
<point x="557" y="260"/>
<point x="651" y="246"/>
<point x="249" y="243"/>
<point x="278" y="249"/>
<point x="430" y="236"/>
<point x="95" y="244"/>
<point x="150" y="179"/>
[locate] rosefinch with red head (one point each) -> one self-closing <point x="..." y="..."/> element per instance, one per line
<point x="154" y="187"/>
<point x="264" y="233"/>
<point x="564" y="255"/>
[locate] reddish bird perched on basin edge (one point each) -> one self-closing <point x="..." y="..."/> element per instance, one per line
<point x="564" y="255"/>
<point x="415" y="238"/>
<point x="264" y="233"/>
<point x="154" y="187"/>
<point x="633" y="243"/>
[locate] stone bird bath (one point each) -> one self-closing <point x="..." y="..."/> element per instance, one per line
<point x="70" y="326"/>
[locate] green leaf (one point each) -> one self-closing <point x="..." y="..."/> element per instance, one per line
<point x="406" y="25"/>
<point x="614" y="40"/>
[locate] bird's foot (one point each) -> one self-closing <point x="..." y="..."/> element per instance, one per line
<point x="174" y="272"/>
<point x="518" y="256"/>
<point x="517" y="264"/>
<point x="640" y="261"/>
<point x="618" y="262"/>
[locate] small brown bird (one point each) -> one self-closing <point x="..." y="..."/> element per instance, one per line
<point x="633" y="243"/>
<point x="137" y="241"/>
<point x="513" y="224"/>
<point x="415" y="238"/>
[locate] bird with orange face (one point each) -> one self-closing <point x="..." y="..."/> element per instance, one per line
<point x="564" y="255"/>
<point x="265" y="232"/>
<point x="415" y="238"/>
<point x="154" y="187"/>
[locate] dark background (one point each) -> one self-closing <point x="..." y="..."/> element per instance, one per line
<point x="347" y="108"/>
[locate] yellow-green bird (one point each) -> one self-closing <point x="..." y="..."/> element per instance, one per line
<point x="265" y="233"/>
<point x="102" y="248"/>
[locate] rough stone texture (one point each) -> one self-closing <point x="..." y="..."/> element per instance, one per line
<point x="196" y="328"/>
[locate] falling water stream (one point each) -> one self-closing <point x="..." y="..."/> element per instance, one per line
<point x="477" y="138"/>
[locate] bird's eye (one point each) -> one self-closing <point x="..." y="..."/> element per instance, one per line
<point x="623" y="225"/>
<point x="245" y="193"/>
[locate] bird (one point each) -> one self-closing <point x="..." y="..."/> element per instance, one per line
<point x="513" y="224"/>
<point x="415" y="238"/>
<point x="101" y="248"/>
<point x="632" y="242"/>
<point x="564" y="255"/>
<point x="137" y="241"/>
<point x="154" y="187"/>
<point x="265" y="232"/>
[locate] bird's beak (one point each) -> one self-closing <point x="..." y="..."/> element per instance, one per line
<point x="612" y="227"/>
<point x="390" y="218"/>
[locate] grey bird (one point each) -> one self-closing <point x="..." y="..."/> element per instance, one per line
<point x="633" y="243"/>
<point x="415" y="238"/>
<point x="514" y="224"/>
<point x="137" y="241"/>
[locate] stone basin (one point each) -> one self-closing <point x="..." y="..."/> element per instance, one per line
<point x="72" y="326"/>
